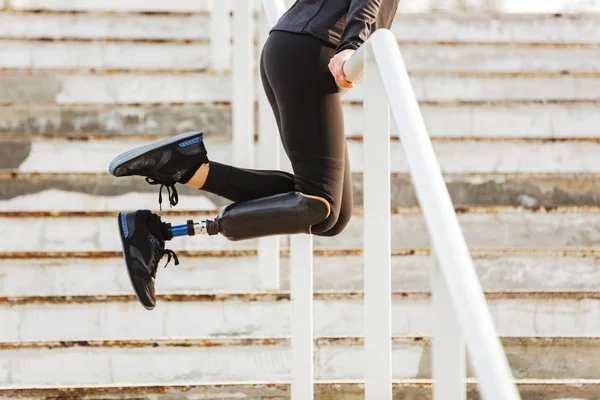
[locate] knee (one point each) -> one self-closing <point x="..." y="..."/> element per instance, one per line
<point x="339" y="225"/>
<point x="337" y="221"/>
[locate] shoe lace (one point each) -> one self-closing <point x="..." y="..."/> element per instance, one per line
<point x="171" y="190"/>
<point x="158" y="254"/>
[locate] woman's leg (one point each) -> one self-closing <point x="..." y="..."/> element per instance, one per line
<point x="311" y="120"/>
<point x="346" y="203"/>
<point x="308" y="109"/>
<point x="239" y="184"/>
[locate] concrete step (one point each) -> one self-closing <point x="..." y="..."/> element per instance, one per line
<point x="267" y="314"/>
<point x="107" y="54"/>
<point x="413" y="389"/>
<point x="486" y="119"/>
<point x="540" y="227"/>
<point x="454" y="156"/>
<point x="99" y="192"/>
<point x="467" y="27"/>
<point x="83" y="87"/>
<point x="176" y="361"/>
<point x="203" y="6"/>
<point x="78" y="274"/>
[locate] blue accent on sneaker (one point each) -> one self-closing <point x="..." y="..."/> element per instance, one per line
<point x="180" y="230"/>
<point x="191" y="142"/>
<point x="124" y="224"/>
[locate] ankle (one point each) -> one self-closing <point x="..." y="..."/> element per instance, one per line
<point x="199" y="178"/>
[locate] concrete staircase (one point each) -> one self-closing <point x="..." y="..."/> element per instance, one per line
<point x="512" y="105"/>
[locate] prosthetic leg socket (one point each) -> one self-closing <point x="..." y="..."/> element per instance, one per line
<point x="282" y="214"/>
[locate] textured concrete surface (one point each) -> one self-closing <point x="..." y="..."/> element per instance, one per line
<point x="466" y="57"/>
<point x="412" y="6"/>
<point x="512" y="76"/>
<point x="51" y="54"/>
<point x="115" y="5"/>
<point x="424" y="27"/>
<point x="104" y="192"/>
<point x="178" y="364"/>
<point x="502" y="228"/>
<point x="104" y="273"/>
<point x="268" y="315"/>
<point x="184" y="87"/>
<point x="464" y="156"/>
<point x="539" y="119"/>
<point x="408" y="389"/>
<point x="123" y="26"/>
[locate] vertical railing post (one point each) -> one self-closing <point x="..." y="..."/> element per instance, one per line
<point x="268" y="158"/>
<point x="448" y="347"/>
<point x="243" y="83"/>
<point x="487" y="356"/>
<point x="301" y="283"/>
<point x="377" y="236"/>
<point x="220" y="35"/>
<point x="301" y="257"/>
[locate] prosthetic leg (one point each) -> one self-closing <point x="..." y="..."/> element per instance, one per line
<point x="282" y="214"/>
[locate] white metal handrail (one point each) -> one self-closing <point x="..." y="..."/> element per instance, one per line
<point x="458" y="303"/>
<point x="382" y="63"/>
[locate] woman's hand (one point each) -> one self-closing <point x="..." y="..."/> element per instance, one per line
<point x="336" y="66"/>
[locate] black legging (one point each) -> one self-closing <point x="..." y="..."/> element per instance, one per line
<point x="308" y="110"/>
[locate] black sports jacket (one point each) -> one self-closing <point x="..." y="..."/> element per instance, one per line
<point x="345" y="24"/>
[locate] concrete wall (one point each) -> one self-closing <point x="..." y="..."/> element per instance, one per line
<point x="555" y="6"/>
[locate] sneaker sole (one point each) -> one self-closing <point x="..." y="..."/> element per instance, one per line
<point x="125" y="259"/>
<point x="138" y="151"/>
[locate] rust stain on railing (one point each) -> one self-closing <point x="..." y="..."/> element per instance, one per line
<point x="521" y="341"/>
<point x="576" y="295"/>
<point x="176" y="298"/>
<point x="251" y="389"/>
<point x="357" y="103"/>
<point x="18" y="175"/>
<point x="140" y="390"/>
<point x="184" y="71"/>
<point x="495" y="139"/>
<point x="29" y="255"/>
<point x="34" y="10"/>
<point x="169" y="41"/>
<point x="505" y="74"/>
<point x="459" y="43"/>
<point x="99" y="214"/>
<point x="111" y="71"/>
<point x="355" y="138"/>
<point x="476" y="253"/>
<point x="357" y="211"/>
<point x="201" y="342"/>
<point x="96" y="106"/>
<point x="496" y="102"/>
<point x="461" y="210"/>
<point x="401" y="42"/>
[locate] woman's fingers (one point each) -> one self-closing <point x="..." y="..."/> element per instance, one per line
<point x="336" y="66"/>
<point x="337" y="70"/>
<point x="343" y="82"/>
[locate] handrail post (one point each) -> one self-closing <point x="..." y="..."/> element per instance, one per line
<point x="301" y="284"/>
<point x="447" y="240"/>
<point x="377" y="237"/>
<point x="448" y="364"/>
<point x="301" y="266"/>
<point x="220" y="35"/>
<point x="243" y="83"/>
<point x="269" y="151"/>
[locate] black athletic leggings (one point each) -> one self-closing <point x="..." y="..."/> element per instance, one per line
<point x="308" y="110"/>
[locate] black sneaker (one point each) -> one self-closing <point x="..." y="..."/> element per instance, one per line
<point x="165" y="163"/>
<point x="143" y="236"/>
